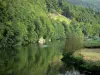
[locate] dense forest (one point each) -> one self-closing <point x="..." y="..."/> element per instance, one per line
<point x="93" y="4"/>
<point x="26" y="21"/>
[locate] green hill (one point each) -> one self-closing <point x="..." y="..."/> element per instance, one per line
<point x="26" y="21"/>
<point x="93" y="4"/>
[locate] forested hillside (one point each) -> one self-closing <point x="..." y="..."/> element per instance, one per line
<point x="26" y="21"/>
<point x="93" y="4"/>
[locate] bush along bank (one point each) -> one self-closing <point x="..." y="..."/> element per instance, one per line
<point x="87" y="67"/>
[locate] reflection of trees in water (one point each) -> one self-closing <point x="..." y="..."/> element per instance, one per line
<point x="73" y="42"/>
<point x="29" y="60"/>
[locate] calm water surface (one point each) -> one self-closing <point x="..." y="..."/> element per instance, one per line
<point x="34" y="59"/>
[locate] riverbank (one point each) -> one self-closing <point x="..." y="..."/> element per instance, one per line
<point x="92" y="54"/>
<point x="86" y="60"/>
<point x="92" y="43"/>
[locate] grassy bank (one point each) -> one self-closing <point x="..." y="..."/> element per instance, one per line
<point x="89" y="54"/>
<point x="92" y="43"/>
<point x="85" y="60"/>
<point x="61" y="18"/>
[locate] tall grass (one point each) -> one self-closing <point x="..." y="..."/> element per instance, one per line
<point x="73" y="43"/>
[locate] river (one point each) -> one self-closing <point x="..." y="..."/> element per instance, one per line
<point x="35" y="59"/>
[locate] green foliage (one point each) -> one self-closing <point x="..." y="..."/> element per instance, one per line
<point x="92" y="30"/>
<point x="40" y="26"/>
<point x="52" y="5"/>
<point x="59" y="32"/>
<point x="73" y="43"/>
<point x="92" y="43"/>
<point x="79" y="63"/>
<point x="25" y="21"/>
<point x="93" y="4"/>
<point x="88" y="17"/>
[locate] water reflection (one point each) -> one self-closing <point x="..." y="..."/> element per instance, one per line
<point x="32" y="59"/>
<point x="35" y="59"/>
